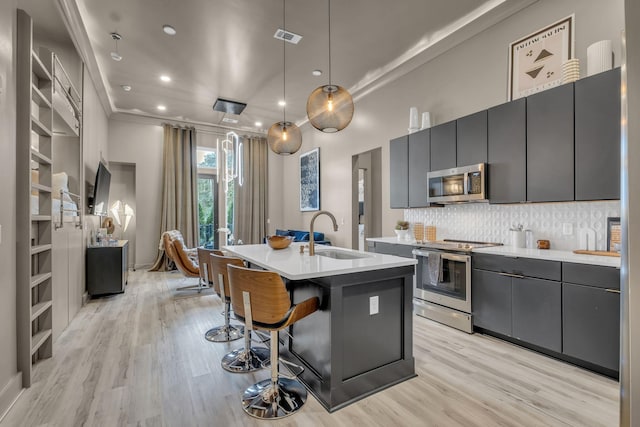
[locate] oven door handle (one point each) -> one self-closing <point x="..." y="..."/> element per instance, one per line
<point x="443" y="255"/>
<point x="515" y="276"/>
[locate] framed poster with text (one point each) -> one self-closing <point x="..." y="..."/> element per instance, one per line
<point x="535" y="61"/>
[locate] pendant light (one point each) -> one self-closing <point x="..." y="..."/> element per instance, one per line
<point x="284" y="137"/>
<point x="330" y="107"/>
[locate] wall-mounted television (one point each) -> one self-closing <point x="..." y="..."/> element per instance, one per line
<point x="99" y="203"/>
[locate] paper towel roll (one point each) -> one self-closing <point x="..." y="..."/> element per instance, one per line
<point x="599" y="57"/>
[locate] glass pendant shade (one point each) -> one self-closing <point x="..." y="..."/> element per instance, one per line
<point x="330" y="108"/>
<point x="284" y="138"/>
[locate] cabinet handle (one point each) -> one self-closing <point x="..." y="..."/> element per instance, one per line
<point x="613" y="291"/>
<point x="516" y="276"/>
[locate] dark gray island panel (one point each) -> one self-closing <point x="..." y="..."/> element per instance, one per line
<point x="347" y="352"/>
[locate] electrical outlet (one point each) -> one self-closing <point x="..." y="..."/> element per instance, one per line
<point x="374" y="305"/>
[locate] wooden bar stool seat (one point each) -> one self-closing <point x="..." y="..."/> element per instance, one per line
<point x="209" y="275"/>
<point x="247" y="358"/>
<point x="261" y="298"/>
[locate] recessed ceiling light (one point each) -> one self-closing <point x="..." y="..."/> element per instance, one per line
<point x="168" y="29"/>
<point x="162" y="107"/>
<point x="229" y="120"/>
<point x="282" y="103"/>
<point x="165" y="78"/>
<point x="258" y="124"/>
<point x="317" y="73"/>
<point x="126" y="88"/>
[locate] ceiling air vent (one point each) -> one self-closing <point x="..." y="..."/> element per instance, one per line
<point x="287" y="36"/>
<point x="228" y="106"/>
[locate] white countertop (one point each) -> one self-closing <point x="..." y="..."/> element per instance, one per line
<point x="548" y="254"/>
<point x="552" y="255"/>
<point x="293" y="265"/>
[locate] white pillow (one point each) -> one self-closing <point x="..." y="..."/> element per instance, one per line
<point x="60" y="181"/>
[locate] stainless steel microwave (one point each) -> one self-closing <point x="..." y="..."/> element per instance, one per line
<point x="457" y="185"/>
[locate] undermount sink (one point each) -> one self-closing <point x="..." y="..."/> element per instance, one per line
<point x="332" y="253"/>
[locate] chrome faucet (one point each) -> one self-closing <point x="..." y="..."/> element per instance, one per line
<point x="312" y="251"/>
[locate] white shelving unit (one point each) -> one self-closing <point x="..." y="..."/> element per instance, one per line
<point x="34" y="125"/>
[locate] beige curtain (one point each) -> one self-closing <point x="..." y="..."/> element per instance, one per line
<point x="179" y="189"/>
<point x="250" y="203"/>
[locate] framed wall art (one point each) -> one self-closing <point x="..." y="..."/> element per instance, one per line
<point x="535" y="61"/>
<point x="310" y="180"/>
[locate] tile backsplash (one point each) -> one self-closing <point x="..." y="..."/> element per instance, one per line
<point x="491" y="223"/>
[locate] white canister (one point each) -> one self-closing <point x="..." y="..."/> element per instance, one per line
<point x="426" y="120"/>
<point x="517" y="238"/>
<point x="413" y="118"/>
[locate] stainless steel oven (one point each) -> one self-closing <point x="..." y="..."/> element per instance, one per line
<point x="442" y="289"/>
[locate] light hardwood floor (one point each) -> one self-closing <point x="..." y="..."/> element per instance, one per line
<point x="140" y="359"/>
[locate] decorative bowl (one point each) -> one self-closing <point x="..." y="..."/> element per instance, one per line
<point x="279" y="242"/>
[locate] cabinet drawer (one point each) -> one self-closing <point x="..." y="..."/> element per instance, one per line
<point x="529" y="267"/>
<point x="591" y="275"/>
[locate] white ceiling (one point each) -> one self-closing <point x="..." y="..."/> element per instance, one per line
<point x="225" y="48"/>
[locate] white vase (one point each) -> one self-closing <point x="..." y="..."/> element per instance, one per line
<point x="402" y="234"/>
<point x="413" y="118"/>
<point x="426" y="120"/>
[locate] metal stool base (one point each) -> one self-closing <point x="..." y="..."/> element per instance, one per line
<point x="261" y="400"/>
<point x="224" y="333"/>
<point x="239" y="361"/>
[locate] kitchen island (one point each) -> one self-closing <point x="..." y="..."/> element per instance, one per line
<point x="360" y="340"/>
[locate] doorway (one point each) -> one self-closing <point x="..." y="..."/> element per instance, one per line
<point x="366" y="193"/>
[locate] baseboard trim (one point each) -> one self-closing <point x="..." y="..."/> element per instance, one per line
<point x="10" y="394"/>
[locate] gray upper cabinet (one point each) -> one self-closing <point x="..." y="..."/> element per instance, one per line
<point x="418" y="168"/>
<point x="399" y="172"/>
<point x="443" y="146"/>
<point x="550" y="174"/>
<point x="471" y="139"/>
<point x="507" y="152"/>
<point x="597" y="136"/>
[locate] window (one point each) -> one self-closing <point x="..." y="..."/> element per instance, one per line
<point x="208" y="223"/>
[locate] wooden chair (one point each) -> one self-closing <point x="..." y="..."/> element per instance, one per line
<point x="261" y="298"/>
<point x="210" y="271"/>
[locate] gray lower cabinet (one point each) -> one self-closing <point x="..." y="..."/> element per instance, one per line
<point x="550" y="167"/>
<point x="418" y="168"/>
<point x="591" y="314"/>
<point x="391" y="249"/>
<point x="491" y="301"/>
<point x="597" y="136"/>
<point x="471" y="139"/>
<point x="571" y="309"/>
<point x="443" y="146"/>
<point x="399" y="172"/>
<point x="536" y="312"/>
<point x="507" y="152"/>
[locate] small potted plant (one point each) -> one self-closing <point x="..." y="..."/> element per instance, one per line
<point x="402" y="230"/>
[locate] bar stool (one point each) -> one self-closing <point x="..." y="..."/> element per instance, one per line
<point x="247" y="358"/>
<point x="261" y="298"/>
<point x="226" y="332"/>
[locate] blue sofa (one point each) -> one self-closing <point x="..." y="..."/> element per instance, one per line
<point x="303" y="236"/>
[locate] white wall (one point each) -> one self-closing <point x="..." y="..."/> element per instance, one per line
<point x="468" y="78"/>
<point x="8" y="350"/>
<point x="141" y="144"/>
